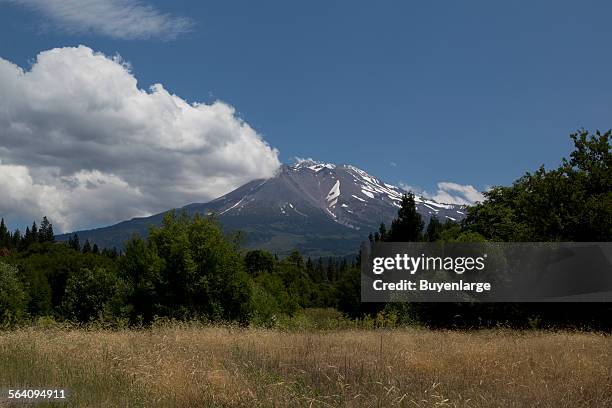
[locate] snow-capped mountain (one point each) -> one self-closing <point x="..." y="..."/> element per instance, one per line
<point x="317" y="208"/>
<point x="345" y="194"/>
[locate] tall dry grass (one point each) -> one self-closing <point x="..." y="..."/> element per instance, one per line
<point x="190" y="366"/>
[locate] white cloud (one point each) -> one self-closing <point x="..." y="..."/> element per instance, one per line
<point x="449" y="193"/>
<point x="81" y="143"/>
<point x="128" y="19"/>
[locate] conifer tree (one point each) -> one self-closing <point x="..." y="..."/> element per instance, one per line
<point x="408" y="225"/>
<point x="382" y="230"/>
<point x="45" y="233"/>
<point x="5" y="236"/>
<point x="74" y="243"/>
<point x="87" y="247"/>
<point x="34" y="233"/>
<point x="27" y="238"/>
<point x="16" y="239"/>
<point x="434" y="229"/>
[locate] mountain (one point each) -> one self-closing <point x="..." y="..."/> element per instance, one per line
<point x="321" y="209"/>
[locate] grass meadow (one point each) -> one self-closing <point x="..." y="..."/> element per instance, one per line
<point x="188" y="365"/>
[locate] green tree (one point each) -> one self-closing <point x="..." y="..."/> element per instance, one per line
<point x="258" y="261"/>
<point x="73" y="242"/>
<point x="140" y="268"/>
<point x="203" y="273"/>
<point x="434" y="229"/>
<point x="45" y="233"/>
<point x="12" y="295"/>
<point x="33" y="234"/>
<point x="16" y="239"/>
<point x="382" y="232"/>
<point x="408" y="225"/>
<point x="27" y="239"/>
<point x="88" y="293"/>
<point x="87" y="247"/>
<point x="5" y="236"/>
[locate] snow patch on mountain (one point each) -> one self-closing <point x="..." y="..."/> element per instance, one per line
<point x="334" y="193"/>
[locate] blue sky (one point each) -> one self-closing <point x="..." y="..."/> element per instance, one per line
<point x="473" y="92"/>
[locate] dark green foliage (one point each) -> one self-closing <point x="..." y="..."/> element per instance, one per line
<point x="46" y="268"/>
<point x="382" y="232"/>
<point x="45" y="234"/>
<point x="88" y="293"/>
<point x="202" y="273"/>
<point x="408" y="225"/>
<point x="434" y="230"/>
<point x="12" y="295"/>
<point x="5" y="235"/>
<point x="74" y="243"/>
<point x="141" y="269"/>
<point x="16" y="239"/>
<point x="258" y="261"/>
<point x="87" y="247"/>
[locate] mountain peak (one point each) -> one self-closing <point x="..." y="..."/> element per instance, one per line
<point x="311" y="164"/>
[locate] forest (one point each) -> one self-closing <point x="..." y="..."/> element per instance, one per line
<point x="188" y="269"/>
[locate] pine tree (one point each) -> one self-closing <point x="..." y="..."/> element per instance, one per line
<point x="320" y="271"/>
<point x="5" y="236"/>
<point x="87" y="247"/>
<point x="45" y="233"/>
<point x="16" y="239"/>
<point x="27" y="238"/>
<point x="74" y="243"/>
<point x="95" y="249"/>
<point x="382" y="230"/>
<point x="408" y="225"/>
<point x="434" y="229"/>
<point x="33" y="234"/>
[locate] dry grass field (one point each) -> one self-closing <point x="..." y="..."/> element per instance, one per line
<point x="190" y="366"/>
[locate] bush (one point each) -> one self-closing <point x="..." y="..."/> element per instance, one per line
<point x="12" y="295"/>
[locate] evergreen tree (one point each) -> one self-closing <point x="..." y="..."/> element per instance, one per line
<point x="73" y="242"/>
<point x="16" y="239"/>
<point x="434" y="229"/>
<point x="408" y="225"/>
<point x="34" y="234"/>
<point x="382" y="231"/>
<point x="27" y="239"/>
<point x="258" y="261"/>
<point x="87" y="247"/>
<point x="310" y="270"/>
<point x="332" y="270"/>
<point x="296" y="259"/>
<point x="5" y="236"/>
<point x="320" y="271"/>
<point x="45" y="233"/>
<point x="95" y="249"/>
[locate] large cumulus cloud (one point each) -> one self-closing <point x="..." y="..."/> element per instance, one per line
<point x="80" y="142"/>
